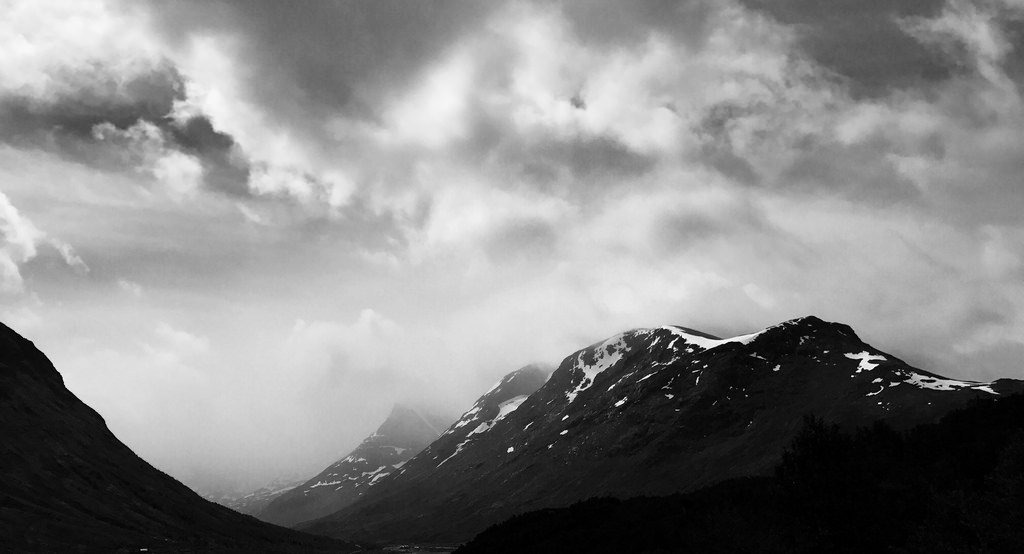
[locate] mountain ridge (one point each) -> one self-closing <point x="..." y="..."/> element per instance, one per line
<point x="651" y="411"/>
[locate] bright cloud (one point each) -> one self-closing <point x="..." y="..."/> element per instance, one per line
<point x="234" y="184"/>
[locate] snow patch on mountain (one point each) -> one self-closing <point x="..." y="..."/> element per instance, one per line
<point x="470" y="415"/>
<point x="458" y="448"/>
<point x="607" y="354"/>
<point x="866" y="361"/>
<point x="322" y="484"/>
<point x="709" y="343"/>
<point x="941" y="383"/>
<point x="504" y="409"/>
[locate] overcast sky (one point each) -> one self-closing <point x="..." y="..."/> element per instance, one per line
<point x="242" y="230"/>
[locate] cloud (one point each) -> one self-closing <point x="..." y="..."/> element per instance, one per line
<point x="864" y="42"/>
<point x="181" y="343"/>
<point x="67" y="253"/>
<point x="144" y="384"/>
<point x="502" y="183"/>
<point x="20" y="240"/>
<point x="67" y="84"/>
<point x="144" y="148"/>
<point x="130" y="287"/>
<point x="612" y="23"/>
<point x="326" y="346"/>
<point x="329" y="57"/>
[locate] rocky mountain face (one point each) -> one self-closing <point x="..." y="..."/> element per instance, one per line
<point x="403" y="434"/>
<point x="647" y="412"/>
<point x="70" y="486"/>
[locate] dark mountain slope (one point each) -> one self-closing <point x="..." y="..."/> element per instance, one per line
<point x="650" y="412"/>
<point x="70" y="486"/>
<point x="956" y="486"/>
<point x="405" y="433"/>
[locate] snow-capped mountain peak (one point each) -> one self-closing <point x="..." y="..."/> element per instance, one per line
<point x="648" y="412"/>
<point x="405" y="432"/>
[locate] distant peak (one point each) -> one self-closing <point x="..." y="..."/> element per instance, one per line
<point x="408" y="424"/>
<point x="402" y="409"/>
<point x="399" y="412"/>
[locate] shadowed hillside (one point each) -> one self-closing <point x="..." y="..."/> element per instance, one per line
<point x="647" y="412"/>
<point x="70" y="486"/>
<point x="955" y="486"/>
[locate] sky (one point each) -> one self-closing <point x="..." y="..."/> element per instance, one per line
<point x="243" y="230"/>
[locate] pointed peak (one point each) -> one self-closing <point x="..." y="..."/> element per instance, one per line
<point x="399" y="409"/>
<point x="406" y="424"/>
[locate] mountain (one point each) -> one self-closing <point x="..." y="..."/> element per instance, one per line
<point x="502" y="399"/>
<point x="953" y="486"/>
<point x="496" y="404"/>
<point x="648" y="412"/>
<point x="254" y="502"/>
<point x="70" y="486"/>
<point x="404" y="433"/>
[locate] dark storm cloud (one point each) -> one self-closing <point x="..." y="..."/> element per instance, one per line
<point x="860" y="171"/>
<point x="592" y="160"/>
<point x="94" y="98"/>
<point x="817" y="165"/>
<point x="1013" y="64"/>
<point x="541" y="159"/>
<point x="224" y="167"/>
<point x="608" y="22"/>
<point x="717" y="150"/>
<point x="862" y="41"/>
<point x="65" y="123"/>
<point x="601" y="155"/>
<point x="721" y="157"/>
<point x="327" y="57"/>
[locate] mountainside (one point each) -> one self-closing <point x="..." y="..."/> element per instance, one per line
<point x="648" y="412"/>
<point x="954" y="486"/>
<point x="70" y="486"/>
<point x="497" y="403"/>
<point x="403" y="434"/>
